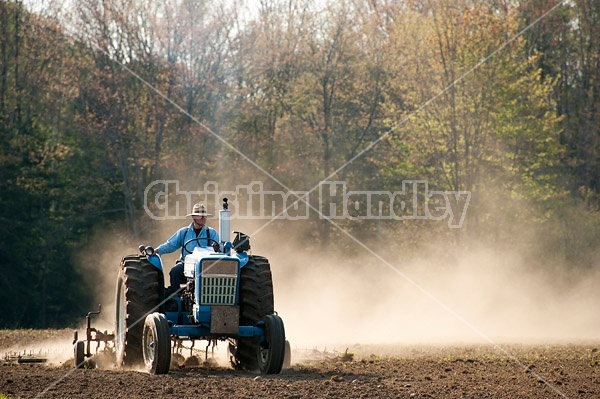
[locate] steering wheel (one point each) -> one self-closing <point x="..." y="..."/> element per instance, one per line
<point x="197" y="239"/>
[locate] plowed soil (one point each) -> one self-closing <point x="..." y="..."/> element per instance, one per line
<point x="467" y="371"/>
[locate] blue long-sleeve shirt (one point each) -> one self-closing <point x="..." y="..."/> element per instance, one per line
<point x="185" y="234"/>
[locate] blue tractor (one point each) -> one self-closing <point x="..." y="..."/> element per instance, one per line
<point x="228" y="297"/>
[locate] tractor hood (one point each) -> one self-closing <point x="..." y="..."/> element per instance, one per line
<point x="192" y="261"/>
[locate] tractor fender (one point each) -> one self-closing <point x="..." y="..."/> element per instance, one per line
<point x="243" y="258"/>
<point x="156" y="261"/>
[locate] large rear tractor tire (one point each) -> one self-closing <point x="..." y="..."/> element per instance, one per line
<point x="138" y="294"/>
<point x="256" y="303"/>
<point x="271" y="353"/>
<point x="156" y="344"/>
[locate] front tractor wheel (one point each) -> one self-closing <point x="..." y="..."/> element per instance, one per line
<point x="138" y="294"/>
<point x="271" y="352"/>
<point x="156" y="344"/>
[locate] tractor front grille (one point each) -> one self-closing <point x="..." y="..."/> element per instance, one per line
<point x="219" y="282"/>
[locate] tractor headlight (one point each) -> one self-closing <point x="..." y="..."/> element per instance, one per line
<point x="149" y="251"/>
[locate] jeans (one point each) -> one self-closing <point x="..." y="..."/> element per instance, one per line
<point x="177" y="277"/>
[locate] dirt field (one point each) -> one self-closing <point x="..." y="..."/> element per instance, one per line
<point x="515" y="371"/>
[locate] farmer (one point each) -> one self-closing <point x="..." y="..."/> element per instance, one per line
<point x="197" y="229"/>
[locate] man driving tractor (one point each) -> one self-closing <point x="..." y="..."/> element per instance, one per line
<point x="206" y="236"/>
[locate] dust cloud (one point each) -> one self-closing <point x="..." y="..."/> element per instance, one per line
<point x="99" y="270"/>
<point x="51" y="346"/>
<point x="483" y="296"/>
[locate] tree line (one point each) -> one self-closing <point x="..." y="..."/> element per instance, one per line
<point x="500" y="99"/>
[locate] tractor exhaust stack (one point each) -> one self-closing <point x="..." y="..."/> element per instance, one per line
<point x="224" y="222"/>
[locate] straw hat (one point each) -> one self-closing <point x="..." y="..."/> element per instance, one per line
<point x="199" y="210"/>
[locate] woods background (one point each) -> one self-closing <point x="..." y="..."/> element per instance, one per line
<point x="476" y="96"/>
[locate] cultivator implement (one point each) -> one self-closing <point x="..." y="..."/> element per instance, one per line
<point x="82" y="348"/>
